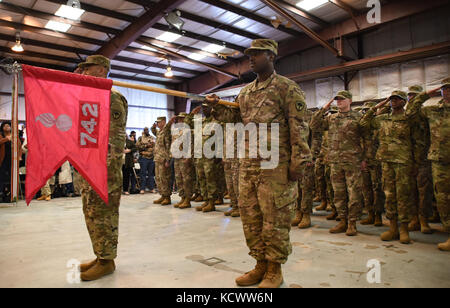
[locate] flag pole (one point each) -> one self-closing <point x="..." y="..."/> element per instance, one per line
<point x="170" y="92"/>
<point x="15" y="69"/>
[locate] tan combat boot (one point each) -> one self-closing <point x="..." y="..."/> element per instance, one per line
<point x="273" y="277"/>
<point x="297" y="219"/>
<point x="227" y="196"/>
<point x="201" y="207"/>
<point x="41" y="198"/>
<point x="235" y="212"/>
<point x="186" y="204"/>
<point x="179" y="203"/>
<point x="341" y="227"/>
<point x="393" y="233"/>
<point x="100" y="269"/>
<point x="86" y="266"/>
<point x="210" y="207"/>
<point x="322" y="206"/>
<point x="378" y="220"/>
<point x="218" y="201"/>
<point x="333" y="215"/>
<point x="166" y="201"/>
<point x="228" y="213"/>
<point x="254" y="276"/>
<point x="414" y="224"/>
<point x="445" y="246"/>
<point x="424" y="226"/>
<point x="317" y="199"/>
<point x="305" y="222"/>
<point x="48" y="198"/>
<point x="404" y="233"/>
<point x="351" y="229"/>
<point x="158" y="201"/>
<point x="199" y="198"/>
<point x="370" y="220"/>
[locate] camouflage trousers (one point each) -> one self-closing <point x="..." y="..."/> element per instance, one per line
<point x="347" y="187"/>
<point x="397" y="186"/>
<point x="231" y="169"/>
<point x="162" y="177"/>
<point x="372" y="190"/>
<point x="189" y="178"/>
<point x="221" y="181"/>
<point x="179" y="176"/>
<point x="423" y="191"/>
<point x="441" y="179"/>
<point x="77" y="178"/>
<point x="321" y="185"/>
<point x="102" y="222"/>
<point x="306" y="191"/>
<point x="329" y="186"/>
<point x="266" y="204"/>
<point x="208" y="174"/>
<point x="46" y="190"/>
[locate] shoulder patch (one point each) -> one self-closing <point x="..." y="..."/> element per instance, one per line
<point x="300" y="105"/>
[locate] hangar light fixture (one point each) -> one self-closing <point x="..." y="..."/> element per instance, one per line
<point x="308" y="5"/>
<point x="18" y="46"/>
<point x="57" y="26"/>
<point x="168" y="73"/>
<point x="168" y="37"/>
<point x="213" y="48"/>
<point x="69" y="12"/>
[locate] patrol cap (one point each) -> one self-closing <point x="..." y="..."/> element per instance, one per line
<point x="263" y="44"/>
<point x="445" y="83"/>
<point x="182" y="115"/>
<point x="415" y="90"/>
<point x="369" y="105"/>
<point x="343" y="95"/>
<point x="161" y="119"/>
<point x="96" y="60"/>
<point x="358" y="108"/>
<point x="399" y="94"/>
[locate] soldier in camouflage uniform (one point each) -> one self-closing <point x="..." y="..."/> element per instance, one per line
<point x="306" y="190"/>
<point x="346" y="155"/>
<point x="189" y="120"/>
<point x="423" y="184"/>
<point x="102" y="220"/>
<point x="396" y="155"/>
<point x="372" y="188"/>
<point x="267" y="196"/>
<point x="179" y="164"/>
<point x="437" y="114"/>
<point x="162" y="159"/>
<point x="231" y="169"/>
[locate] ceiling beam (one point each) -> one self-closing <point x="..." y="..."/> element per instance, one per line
<point x="137" y="28"/>
<point x="349" y="9"/>
<point x="302" y="13"/>
<point x="278" y="9"/>
<point x="244" y="13"/>
<point x="75" y="61"/>
<point x="390" y="12"/>
<point x="177" y="55"/>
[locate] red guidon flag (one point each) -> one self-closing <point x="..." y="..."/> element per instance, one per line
<point x="67" y="119"/>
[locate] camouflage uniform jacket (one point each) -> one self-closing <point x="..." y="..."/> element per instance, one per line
<point x="275" y="100"/>
<point x="438" y="116"/>
<point x="162" y="145"/>
<point x="345" y="135"/>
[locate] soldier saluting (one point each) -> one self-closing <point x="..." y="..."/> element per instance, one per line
<point x="267" y="196"/>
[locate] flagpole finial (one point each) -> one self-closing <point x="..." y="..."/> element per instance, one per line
<point x="16" y="68"/>
<point x="9" y="66"/>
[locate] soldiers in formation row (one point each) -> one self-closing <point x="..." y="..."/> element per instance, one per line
<point x="391" y="158"/>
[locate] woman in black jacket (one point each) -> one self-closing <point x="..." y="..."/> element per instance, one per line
<point x="127" y="168"/>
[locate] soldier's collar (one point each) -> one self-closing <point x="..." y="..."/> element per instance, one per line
<point x="255" y="86"/>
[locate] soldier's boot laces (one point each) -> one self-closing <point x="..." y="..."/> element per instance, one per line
<point x="341" y="227"/>
<point x="186" y="204"/>
<point x="392" y="233"/>
<point x="404" y="233"/>
<point x="210" y="207"/>
<point x="158" y="201"/>
<point x="166" y="201"/>
<point x="333" y="215"/>
<point x="370" y="220"/>
<point x="297" y="219"/>
<point x="414" y="224"/>
<point x="254" y="276"/>
<point x="179" y="203"/>
<point x="445" y="246"/>
<point x="322" y="206"/>
<point x="235" y="212"/>
<point x="351" y="229"/>
<point x="378" y="220"/>
<point x="273" y="277"/>
<point x="424" y="226"/>
<point x="86" y="266"/>
<point x="305" y="222"/>
<point x="100" y="269"/>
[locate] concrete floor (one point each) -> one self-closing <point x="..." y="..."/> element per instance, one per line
<point x="167" y="247"/>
